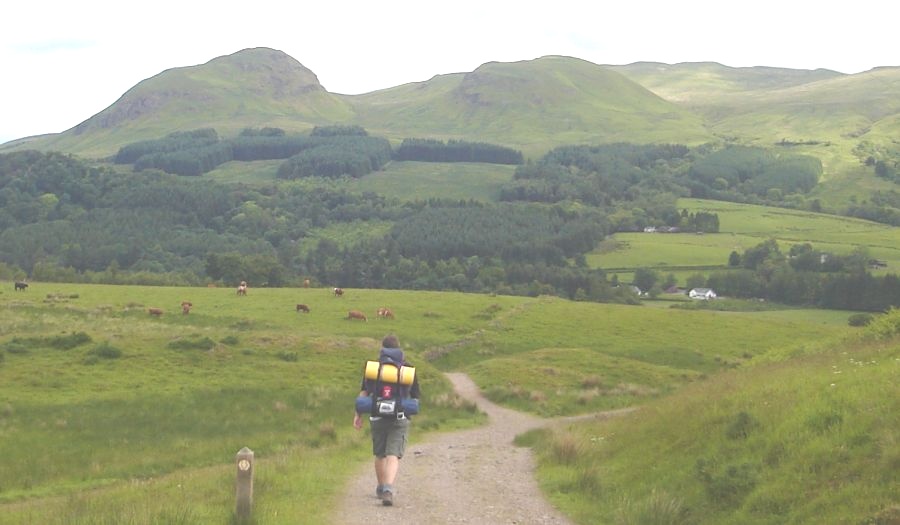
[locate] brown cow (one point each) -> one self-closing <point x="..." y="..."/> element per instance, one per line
<point x="306" y="283"/>
<point x="303" y="308"/>
<point x="155" y="311"/>
<point x="338" y="292"/>
<point x="385" y="313"/>
<point x="242" y="289"/>
<point x="186" y="307"/>
<point x="356" y="314"/>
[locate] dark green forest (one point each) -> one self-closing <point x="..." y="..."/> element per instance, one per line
<point x="332" y="151"/>
<point x="431" y="150"/>
<point x="62" y="218"/>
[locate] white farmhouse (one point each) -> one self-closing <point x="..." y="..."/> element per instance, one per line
<point x="702" y="293"/>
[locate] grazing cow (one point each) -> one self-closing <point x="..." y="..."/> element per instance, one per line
<point x="306" y="283"/>
<point x="356" y="314"/>
<point x="303" y="308"/>
<point x="186" y="307"/>
<point x="242" y="289"/>
<point x="385" y="313"/>
<point x="338" y="292"/>
<point x="21" y="285"/>
<point x="211" y="285"/>
<point x="155" y="311"/>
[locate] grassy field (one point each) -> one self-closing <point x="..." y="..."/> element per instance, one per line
<point x="425" y="180"/>
<point x="743" y="226"/>
<point x="803" y="436"/>
<point x="571" y="357"/>
<point x="111" y="415"/>
<point x="404" y="180"/>
<point x="110" y="412"/>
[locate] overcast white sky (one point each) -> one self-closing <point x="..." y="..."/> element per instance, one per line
<point x="66" y="60"/>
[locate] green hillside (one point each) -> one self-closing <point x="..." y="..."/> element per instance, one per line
<point x="533" y="105"/>
<point x="840" y="119"/>
<point x="702" y="83"/>
<point x="251" y="88"/>
<point x="808" y="436"/>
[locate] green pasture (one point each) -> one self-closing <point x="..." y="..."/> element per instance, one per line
<point x="111" y="415"/>
<point x="406" y="180"/>
<point x="560" y="357"/>
<point x="255" y="172"/>
<point x="410" y="180"/>
<point x="743" y="226"/>
<point x="805" y="439"/>
<point x="140" y="404"/>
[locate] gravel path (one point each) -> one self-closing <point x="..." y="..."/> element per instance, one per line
<point x="474" y="476"/>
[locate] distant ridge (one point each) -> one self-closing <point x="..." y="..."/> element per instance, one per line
<point x="550" y="100"/>
<point x="695" y="82"/>
<point x="531" y="105"/>
<point x="534" y="104"/>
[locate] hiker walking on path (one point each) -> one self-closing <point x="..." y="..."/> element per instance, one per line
<point x="388" y="396"/>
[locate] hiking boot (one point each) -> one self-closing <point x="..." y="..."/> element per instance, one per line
<point x="387" y="498"/>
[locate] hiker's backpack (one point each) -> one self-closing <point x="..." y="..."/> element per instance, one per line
<point x="390" y="395"/>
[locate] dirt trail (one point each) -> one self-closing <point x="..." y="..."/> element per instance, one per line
<point x="474" y="476"/>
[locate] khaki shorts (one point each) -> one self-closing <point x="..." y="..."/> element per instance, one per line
<point x="389" y="436"/>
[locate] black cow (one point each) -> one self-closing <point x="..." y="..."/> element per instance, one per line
<point x="21" y="285"/>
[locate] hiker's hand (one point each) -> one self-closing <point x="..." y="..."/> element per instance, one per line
<point x="357" y="421"/>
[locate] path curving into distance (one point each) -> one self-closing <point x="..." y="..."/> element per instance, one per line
<point x="473" y="476"/>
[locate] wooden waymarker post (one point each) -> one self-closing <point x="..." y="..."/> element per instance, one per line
<point x="244" y="505"/>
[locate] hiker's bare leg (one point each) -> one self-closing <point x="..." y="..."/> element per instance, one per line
<point x="379" y="470"/>
<point x="386" y="469"/>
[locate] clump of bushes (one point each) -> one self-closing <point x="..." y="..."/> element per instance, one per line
<point x="660" y="507"/>
<point x="106" y="351"/>
<point x="103" y="350"/>
<point x="68" y="342"/>
<point x="290" y="357"/>
<point x="860" y="319"/>
<point x="21" y="345"/>
<point x="741" y="426"/>
<point x="15" y="347"/>
<point x="726" y="484"/>
<point x="204" y="343"/>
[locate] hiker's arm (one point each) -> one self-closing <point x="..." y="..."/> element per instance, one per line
<point x="357" y="419"/>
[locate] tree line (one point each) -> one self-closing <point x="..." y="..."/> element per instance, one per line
<point x="432" y="150"/>
<point x="328" y="151"/>
<point x="587" y="174"/>
<point x="805" y="276"/>
<point x="332" y="151"/>
<point x="64" y="219"/>
<point x="808" y="276"/>
<point x="596" y="174"/>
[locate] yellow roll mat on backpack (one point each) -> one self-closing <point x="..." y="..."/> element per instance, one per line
<point x="389" y="373"/>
